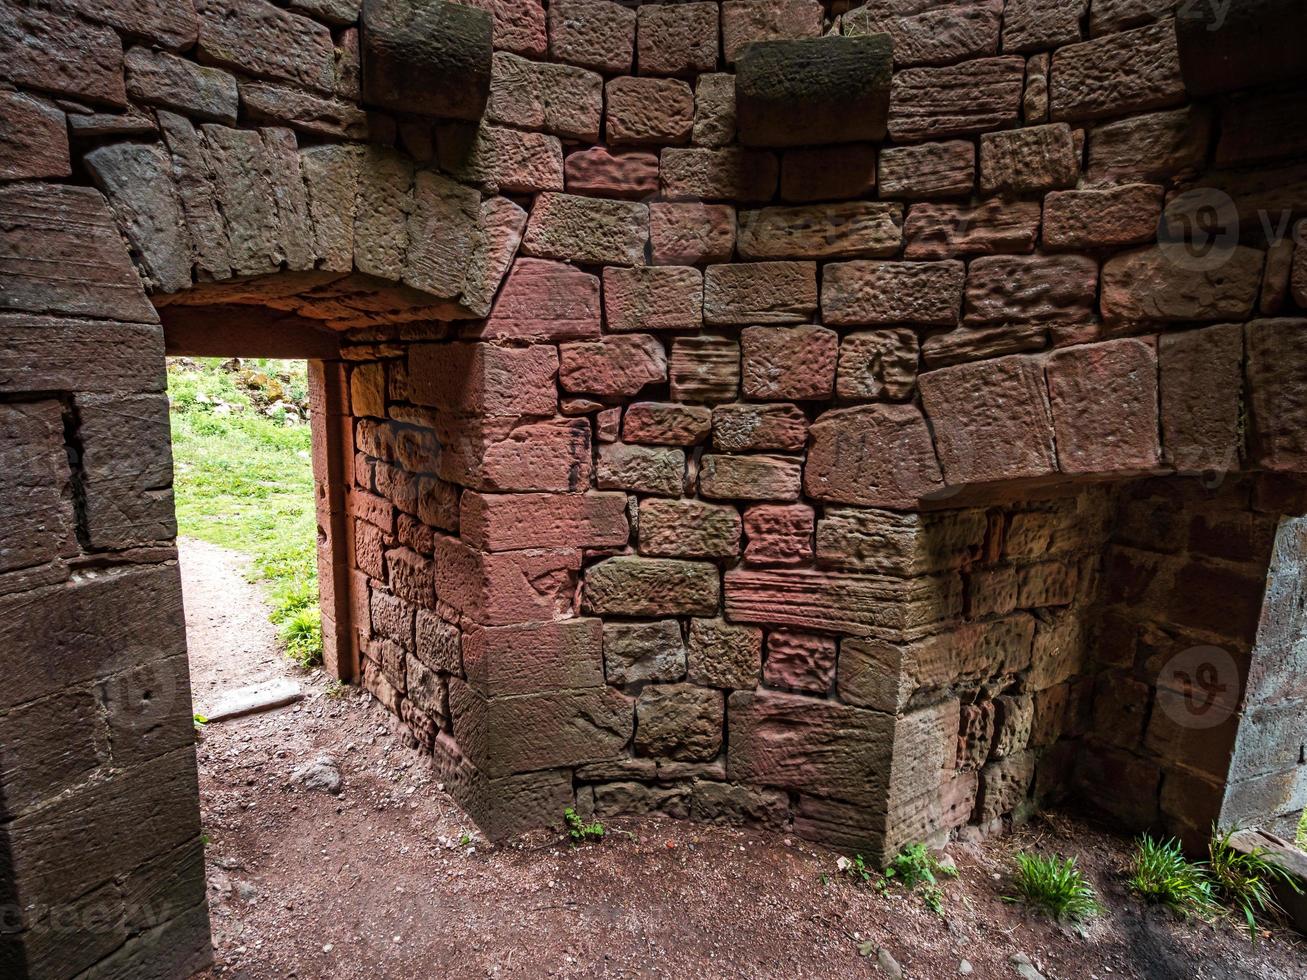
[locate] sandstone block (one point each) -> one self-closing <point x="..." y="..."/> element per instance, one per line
<point x="256" y="38"/>
<point x="749" y="477"/>
<point x="598" y="34"/>
<point x="1104" y="400"/>
<point x="544" y="300"/>
<point x="1201" y="387"/>
<point x="759" y="292"/>
<point x="494" y="244"/>
<point x="638" y="652"/>
<point x="678" y="39"/>
<point x="809" y="745"/>
<point x="892" y="293"/>
<point x="876" y="364"/>
<point x="49" y="354"/>
<point x="505" y="454"/>
<point x="714" y="110"/>
<point x="976" y="734"/>
<point x="127" y="496"/>
<point x="655" y="111"/>
<point x="875" y="455"/>
<point x="1164" y="284"/>
<point x="991" y="420"/>
<point x="506" y="522"/>
<point x="778" y="534"/>
<point x="860" y="229"/>
<point x="431" y="58"/>
<point x="441" y="229"/>
<point x="1126" y="215"/>
<point x="173" y="26"/>
<point x="727" y="174"/>
<point x="858" y="539"/>
<point x="1033" y="25"/>
<point x="724" y="655"/>
<point x="534" y="658"/>
<point x="984" y="94"/>
<point x="53" y="49"/>
<point x="741" y="427"/>
<point x="704" y="369"/>
<point x="33" y="140"/>
<point x="482" y="379"/>
<point x="629" y="586"/>
<point x="800" y="661"/>
<point x="1011" y="289"/>
<point x="272" y="103"/>
<point x="1004" y="785"/>
<point x="159" y="78"/>
<point x="1276" y="369"/>
<point x="39" y="523"/>
<point x="599" y="173"/>
<point x="1024" y="161"/>
<point x="613" y="365"/>
<point x="929" y="170"/>
<point x="992" y="227"/>
<point x="930" y="33"/>
<point x="439" y="644"/>
<point x="1156" y="146"/>
<point x="747" y="21"/>
<point x="1035" y="104"/>
<point x="586" y="230"/>
<point x="690" y="234"/>
<point x="688" y="529"/>
<point x="643" y="469"/>
<point x="499" y="158"/>
<point x="505" y="588"/>
<point x="653" y="298"/>
<point x="519" y="25"/>
<point x="666" y="423"/>
<point x="822" y="173"/>
<point x="817" y="90"/>
<point x="1108" y="76"/>
<point x="789" y="363"/>
<point x="559" y="99"/>
<point x="679" y="721"/>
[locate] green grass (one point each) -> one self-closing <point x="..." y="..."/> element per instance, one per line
<point x="1243" y="882"/>
<point x="244" y="480"/>
<point x="1163" y="876"/>
<point x="1300" y="838"/>
<point x="1055" y="887"/>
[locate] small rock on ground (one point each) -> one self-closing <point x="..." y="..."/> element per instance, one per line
<point x="321" y="774"/>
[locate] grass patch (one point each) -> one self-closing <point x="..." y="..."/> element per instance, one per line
<point x="1300" y="839"/>
<point x="1243" y="882"/>
<point x="1163" y="876"/>
<point x="244" y="479"/>
<point x="1054" y="887"/>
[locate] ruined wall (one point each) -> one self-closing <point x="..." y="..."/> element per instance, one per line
<point x="726" y="431"/>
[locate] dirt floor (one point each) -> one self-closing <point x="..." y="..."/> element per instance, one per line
<point x="389" y="879"/>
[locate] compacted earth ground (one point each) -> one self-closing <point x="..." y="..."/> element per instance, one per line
<point x="333" y="852"/>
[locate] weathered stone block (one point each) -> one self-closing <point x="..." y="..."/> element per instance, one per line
<point x="628" y="586"/>
<point x="36" y="508"/>
<point x="833" y="602"/>
<point x="679" y="721"/>
<point x="828" y="173"/>
<point x="749" y="477"/>
<point x="427" y="57"/>
<point x="818" y="90"/>
<point x="506" y="522"/>
<point x="519" y="25"/>
<point x="499" y="158"/>
<point x="930" y="170"/>
<point x="809" y="745"/>
<point x="1032" y="25"/>
<point x="1156" y="146"/>
<point x="653" y="111"/>
<point x="643" y="469"/>
<point x="740" y="428"/>
<point x="1004" y="785"/>
<point x="596" y="34"/>
<point x="677" y="39"/>
<point x="666" y="423"/>
<point x="501" y="736"/>
<point x="1276" y="369"/>
<point x="778" y="534"/>
<point x="505" y="454"/>
<point x="714" y="110"/>
<point x="688" y="529"/>
<point x="506" y="588"/>
<point x="589" y="231"/>
<point x="1010" y="289"/>
<point x="704" y="369"/>
<point x="992" y="227"/>
<point x="128" y="496"/>
<point x="597" y="172"/>
<point x="899" y="544"/>
<point x="991" y="420"/>
<point x="635" y="653"/>
<point x="272" y="103"/>
<point x="559" y="99"/>
<point x="653" y="298"/>
<point x="256" y="38"/>
<point x="876" y="364"/>
<point x="1129" y="72"/>
<point x="1201" y="385"/>
<point x="484" y="380"/>
<point x="544" y="301"/>
<point x="927" y="103"/>
<point x="691" y="233"/>
<point x="727" y="174"/>
<point x="534" y="658"/>
<point x="931" y="33"/>
<point x="1167" y="284"/>
<point x="1126" y="215"/>
<point x="789" y="363"/>
<point x="724" y="655"/>
<point x="1104" y="400"/>
<point x="760" y="292"/>
<point x="892" y="293"/>
<point x="874" y="455"/>
<point x="1023" y="161"/>
<point x="860" y="229"/>
<point x="53" y="49"/>
<point x="159" y="78"/>
<point x="747" y="21"/>
<point x="33" y="139"/>
<point x="619" y="364"/>
<point x="800" y="661"/>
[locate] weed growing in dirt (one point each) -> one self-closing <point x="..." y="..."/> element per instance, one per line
<point x="1163" y="876"/>
<point x="243" y="478"/>
<point x="336" y="690"/>
<point x="580" y="831"/>
<point x="1243" y="882"/>
<point x="914" y="867"/>
<point x="855" y="869"/>
<point x="1055" y="887"/>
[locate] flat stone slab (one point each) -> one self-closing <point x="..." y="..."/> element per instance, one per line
<point x="254" y="699"/>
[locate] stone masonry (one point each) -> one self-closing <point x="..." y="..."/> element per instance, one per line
<point x="869" y="420"/>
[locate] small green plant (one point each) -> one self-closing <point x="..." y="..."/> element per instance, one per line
<point x="1300" y="838"/>
<point x="1055" y="887"/>
<point x="855" y="869"/>
<point x="579" y="830"/>
<point x="919" y="871"/>
<point x="465" y="839"/>
<point x="336" y="690"/>
<point x="200" y="721"/>
<point x="1244" y="882"/>
<point x="1163" y="876"/>
<point x="301" y="633"/>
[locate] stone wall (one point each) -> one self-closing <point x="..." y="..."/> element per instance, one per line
<point x="727" y="429"/>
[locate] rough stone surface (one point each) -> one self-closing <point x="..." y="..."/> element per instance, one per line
<point x="1117" y="74"/>
<point x="747" y="21"/>
<point x="778" y="534"/>
<point x="891" y="293"/>
<point x="559" y="99"/>
<point x="928" y="103"/>
<point x="159" y="78"/>
<point x="616" y="365"/>
<point x="1158" y="284"/>
<point x="759" y="292"/>
<point x="653" y="298"/>
<point x="657" y="111"/>
<point x="629" y="586"/>
<point x="688" y="529"/>
<point x="874" y="455"/>
<point x="727" y="174"/>
<point x="749" y="477"/>
<point x="587" y="230"/>
<point x="1275" y="373"/>
<point x="743" y="427"/>
<point x="544" y="300"/>
<point x="666" y="423"/>
<point x="853" y="230"/>
<point x="34" y="139"/>
<point x="1023" y="161"/>
<point x="724" y="655"/>
<point x="800" y="661"/>
<point x="828" y="173"/>
<point x="256" y="38"/>
<point x="638" y="652"/>
<point x="789" y="363"/>
<point x="691" y="233"/>
<point x="929" y="170"/>
<point x="677" y="39"/>
<point x="1126" y="215"/>
<point x="1002" y="289"/>
<point x="714" y="110"/>
<point x="645" y="469"/>
<point x="679" y="721"/>
<point x="927" y="33"/>
<point x="1154" y="146"/>
<point x="599" y="173"/>
<point x="499" y="158"/>
<point x="704" y="369"/>
<point x="1104" y="399"/>
<point x="877" y="364"/>
<point x="598" y="34"/>
<point x="995" y="226"/>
